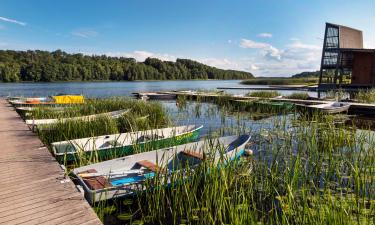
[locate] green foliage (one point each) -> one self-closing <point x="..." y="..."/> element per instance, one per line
<point x="281" y="81"/>
<point x="263" y="94"/>
<point x="365" y="96"/>
<point x="299" y="95"/>
<point x="143" y="116"/>
<point x="60" y="66"/>
<point x="307" y="74"/>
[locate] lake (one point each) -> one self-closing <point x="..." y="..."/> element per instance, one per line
<point x="106" y="89"/>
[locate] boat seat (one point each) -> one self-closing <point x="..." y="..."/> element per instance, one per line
<point x="193" y="154"/>
<point x="145" y="138"/>
<point x="111" y="143"/>
<point x="99" y="182"/>
<point x="150" y="165"/>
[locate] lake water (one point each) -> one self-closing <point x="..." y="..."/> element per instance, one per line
<point x="107" y="89"/>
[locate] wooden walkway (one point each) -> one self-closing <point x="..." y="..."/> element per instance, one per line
<point x="365" y="108"/>
<point x="33" y="187"/>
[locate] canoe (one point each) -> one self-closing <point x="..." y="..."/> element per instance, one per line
<point x="124" y="176"/>
<point x="329" y="108"/>
<point x="118" y="145"/>
<point x="273" y="105"/>
<point x="57" y="100"/>
<point x="114" y="114"/>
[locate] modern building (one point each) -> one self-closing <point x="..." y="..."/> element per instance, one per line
<point x="345" y="63"/>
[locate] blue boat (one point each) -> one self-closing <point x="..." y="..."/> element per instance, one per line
<point x="122" y="176"/>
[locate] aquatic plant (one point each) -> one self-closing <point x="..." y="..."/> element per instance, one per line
<point x="263" y="94"/>
<point x="299" y="95"/>
<point x="365" y="96"/>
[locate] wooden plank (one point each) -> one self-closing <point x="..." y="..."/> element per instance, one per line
<point x="31" y="190"/>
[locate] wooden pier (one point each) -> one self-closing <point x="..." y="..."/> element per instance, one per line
<point x="356" y="108"/>
<point x="34" y="188"/>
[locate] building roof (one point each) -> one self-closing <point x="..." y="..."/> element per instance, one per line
<point x="337" y="25"/>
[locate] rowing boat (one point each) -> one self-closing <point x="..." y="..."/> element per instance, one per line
<point x="124" y="176"/>
<point x="329" y="108"/>
<point x="156" y="96"/>
<point x="117" y="145"/>
<point x="56" y="100"/>
<point x="114" y="114"/>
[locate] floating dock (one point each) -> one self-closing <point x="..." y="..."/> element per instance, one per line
<point x="34" y="188"/>
<point x="355" y="108"/>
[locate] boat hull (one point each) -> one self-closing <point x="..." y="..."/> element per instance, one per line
<point x="93" y="196"/>
<point x="131" y="149"/>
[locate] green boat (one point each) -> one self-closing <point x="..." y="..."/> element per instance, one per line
<point x="275" y="106"/>
<point x="118" y="145"/>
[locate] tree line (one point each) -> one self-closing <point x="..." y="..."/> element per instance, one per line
<point x="44" y="66"/>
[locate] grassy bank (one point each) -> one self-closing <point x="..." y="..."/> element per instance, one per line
<point x="142" y="116"/>
<point x="316" y="170"/>
<point x="281" y="81"/>
<point x="302" y="172"/>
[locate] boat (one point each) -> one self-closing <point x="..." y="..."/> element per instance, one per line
<point x="108" y="146"/>
<point x="329" y="108"/>
<point x="275" y="105"/>
<point x="124" y="176"/>
<point x="114" y="114"/>
<point x="56" y="100"/>
<point x="156" y="96"/>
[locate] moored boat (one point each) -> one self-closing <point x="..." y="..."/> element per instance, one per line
<point x="123" y="176"/>
<point x="156" y="96"/>
<point x="57" y="100"/>
<point x="117" y="145"/>
<point x="115" y="114"/>
<point x="329" y="108"/>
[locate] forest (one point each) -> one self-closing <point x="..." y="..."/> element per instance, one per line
<point x="44" y="66"/>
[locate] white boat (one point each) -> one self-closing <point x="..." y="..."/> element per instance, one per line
<point x="157" y="96"/>
<point x="330" y="108"/>
<point x="113" y="114"/>
<point x="124" y="176"/>
<point x="107" y="146"/>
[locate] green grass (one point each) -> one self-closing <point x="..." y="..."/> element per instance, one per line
<point x="299" y="95"/>
<point x="281" y="81"/>
<point x="365" y="96"/>
<point x="263" y="94"/>
<point x="314" y="173"/>
<point x="142" y="116"/>
<point x="304" y="171"/>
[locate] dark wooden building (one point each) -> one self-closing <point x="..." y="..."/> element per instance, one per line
<point x="345" y="63"/>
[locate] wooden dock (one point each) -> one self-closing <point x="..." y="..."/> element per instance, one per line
<point x="34" y="189"/>
<point x="356" y="108"/>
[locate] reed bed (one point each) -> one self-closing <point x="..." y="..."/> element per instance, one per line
<point x="314" y="170"/>
<point x="91" y="106"/>
<point x="299" y="95"/>
<point x="142" y="116"/>
<point x="263" y="94"/>
<point x="365" y="96"/>
<point x="305" y="170"/>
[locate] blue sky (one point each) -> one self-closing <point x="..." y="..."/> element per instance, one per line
<point x="265" y="37"/>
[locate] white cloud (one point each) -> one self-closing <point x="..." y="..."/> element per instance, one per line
<point x="267" y="50"/>
<point x="265" y="35"/>
<point x="12" y="21"/>
<point x="229" y="41"/>
<point x="84" y="33"/>
<point x="295" y="57"/>
<point x="219" y="63"/>
<point x="254" y="67"/>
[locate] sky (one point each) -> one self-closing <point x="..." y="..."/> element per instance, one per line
<point x="265" y="37"/>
